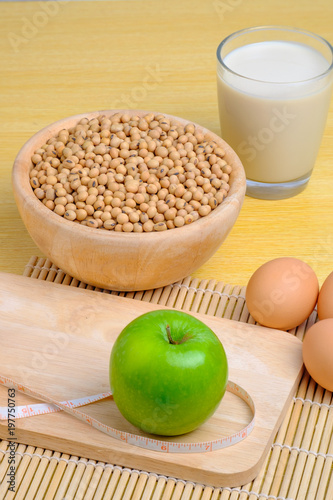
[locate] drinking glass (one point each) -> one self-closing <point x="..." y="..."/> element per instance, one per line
<point x="274" y="89"/>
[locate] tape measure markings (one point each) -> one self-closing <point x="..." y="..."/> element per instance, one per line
<point x="134" y="439"/>
<point x="43" y="409"/>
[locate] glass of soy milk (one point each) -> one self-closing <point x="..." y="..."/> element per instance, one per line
<point x="274" y="89"/>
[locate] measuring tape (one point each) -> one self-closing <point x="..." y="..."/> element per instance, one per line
<point x="43" y="409"/>
<point x="134" y="439"/>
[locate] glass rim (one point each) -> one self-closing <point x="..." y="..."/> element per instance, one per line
<point x="274" y="28"/>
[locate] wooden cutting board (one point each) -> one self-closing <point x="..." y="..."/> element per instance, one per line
<point x="57" y="340"/>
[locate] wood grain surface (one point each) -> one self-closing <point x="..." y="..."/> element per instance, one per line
<point x="149" y="54"/>
<point x="57" y="340"/>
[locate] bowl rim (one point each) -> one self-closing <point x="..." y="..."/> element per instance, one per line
<point x="25" y="191"/>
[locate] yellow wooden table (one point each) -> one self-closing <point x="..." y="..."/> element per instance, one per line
<point x="60" y="59"/>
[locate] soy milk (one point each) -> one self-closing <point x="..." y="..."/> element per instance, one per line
<point x="268" y="112"/>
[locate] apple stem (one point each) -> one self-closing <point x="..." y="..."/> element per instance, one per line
<point x="171" y="341"/>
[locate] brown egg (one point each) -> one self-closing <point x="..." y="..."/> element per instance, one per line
<point x="325" y="299"/>
<point x="318" y="352"/>
<point x="282" y="293"/>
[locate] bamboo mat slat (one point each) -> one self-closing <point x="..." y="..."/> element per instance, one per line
<point x="299" y="465"/>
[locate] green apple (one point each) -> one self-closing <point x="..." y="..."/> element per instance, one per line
<point x="168" y="372"/>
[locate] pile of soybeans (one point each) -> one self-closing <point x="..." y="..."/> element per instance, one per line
<point x="129" y="173"/>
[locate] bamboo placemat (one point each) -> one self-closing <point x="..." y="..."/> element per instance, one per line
<point x="298" y="466"/>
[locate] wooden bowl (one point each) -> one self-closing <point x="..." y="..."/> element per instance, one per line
<point x="118" y="260"/>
